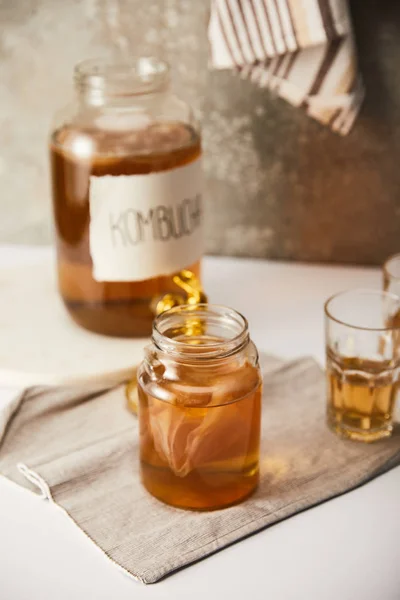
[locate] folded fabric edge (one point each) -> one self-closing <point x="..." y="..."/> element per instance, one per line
<point x="246" y="41"/>
<point x="14" y="377"/>
<point x="338" y="111"/>
<point x="36" y="481"/>
<point x="222" y="61"/>
<point x="232" y="33"/>
<point x="34" y="478"/>
<point x="7" y="413"/>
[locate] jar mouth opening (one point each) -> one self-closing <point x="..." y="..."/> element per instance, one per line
<point x="115" y="77"/>
<point x="200" y="331"/>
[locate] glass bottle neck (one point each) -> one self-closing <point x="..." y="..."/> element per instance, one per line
<point x="99" y="82"/>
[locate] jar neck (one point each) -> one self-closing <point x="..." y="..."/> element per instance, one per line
<point x="200" y="332"/>
<point x="100" y="82"/>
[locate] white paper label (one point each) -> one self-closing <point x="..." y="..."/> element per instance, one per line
<point x="143" y="226"/>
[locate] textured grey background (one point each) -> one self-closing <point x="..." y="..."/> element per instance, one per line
<point x="280" y="185"/>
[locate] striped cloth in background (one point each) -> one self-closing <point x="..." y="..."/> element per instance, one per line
<point x="303" y="50"/>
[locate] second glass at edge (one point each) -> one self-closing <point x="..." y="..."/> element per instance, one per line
<point x="363" y="357"/>
<point x="200" y="409"/>
<point x="391" y="278"/>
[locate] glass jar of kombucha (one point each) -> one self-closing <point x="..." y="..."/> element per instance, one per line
<point x="199" y="390"/>
<point x="127" y="194"/>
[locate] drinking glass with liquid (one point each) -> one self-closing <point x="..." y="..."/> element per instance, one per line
<point x="127" y="194"/>
<point x="199" y="412"/>
<point x="363" y="359"/>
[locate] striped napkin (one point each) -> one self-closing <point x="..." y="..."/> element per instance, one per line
<point x="303" y="50"/>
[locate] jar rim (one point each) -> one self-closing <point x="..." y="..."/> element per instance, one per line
<point x="226" y="328"/>
<point x="122" y="77"/>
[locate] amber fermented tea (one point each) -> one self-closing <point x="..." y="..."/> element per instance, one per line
<point x="362" y="356"/>
<point x="117" y="307"/>
<point x="199" y="390"/>
<point x="127" y="195"/>
<point x="200" y="436"/>
<point x="361" y="396"/>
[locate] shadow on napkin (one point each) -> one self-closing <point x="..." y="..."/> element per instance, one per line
<point x="79" y="449"/>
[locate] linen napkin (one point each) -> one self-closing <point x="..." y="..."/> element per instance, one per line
<point x="79" y="449"/>
<point x="303" y="50"/>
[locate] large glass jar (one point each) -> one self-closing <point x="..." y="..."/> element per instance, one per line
<point x="199" y="390"/>
<point x="127" y="194"/>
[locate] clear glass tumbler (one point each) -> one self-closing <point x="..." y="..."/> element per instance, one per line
<point x="363" y="354"/>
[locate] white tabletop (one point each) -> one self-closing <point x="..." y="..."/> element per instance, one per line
<point x="347" y="548"/>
